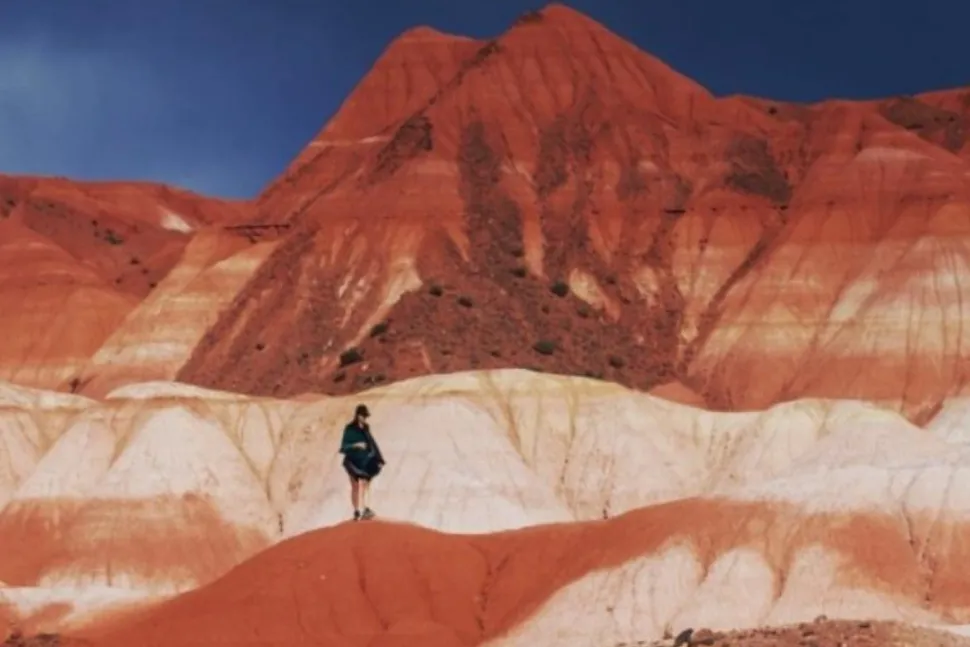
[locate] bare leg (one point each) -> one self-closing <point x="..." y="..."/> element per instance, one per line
<point x="355" y="493"/>
<point x="364" y="493"/>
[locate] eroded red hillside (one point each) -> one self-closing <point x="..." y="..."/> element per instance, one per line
<point x="130" y="234"/>
<point x="558" y="199"/>
<point x="389" y="584"/>
<point x="76" y="258"/>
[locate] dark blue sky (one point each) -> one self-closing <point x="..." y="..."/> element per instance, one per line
<point x="219" y="95"/>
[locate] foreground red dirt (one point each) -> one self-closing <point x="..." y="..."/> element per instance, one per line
<point x="385" y="584"/>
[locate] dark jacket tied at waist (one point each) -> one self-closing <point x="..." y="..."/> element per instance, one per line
<point x="365" y="462"/>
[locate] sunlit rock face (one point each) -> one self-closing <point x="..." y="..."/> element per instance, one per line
<point x="640" y="359"/>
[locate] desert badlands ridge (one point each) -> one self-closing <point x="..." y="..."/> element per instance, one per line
<point x="517" y="509"/>
<point x="641" y="359"/>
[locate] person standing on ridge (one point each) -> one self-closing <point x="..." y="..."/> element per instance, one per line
<point x="362" y="460"/>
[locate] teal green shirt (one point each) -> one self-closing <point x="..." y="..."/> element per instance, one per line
<point x="353" y="434"/>
<point x="368" y="458"/>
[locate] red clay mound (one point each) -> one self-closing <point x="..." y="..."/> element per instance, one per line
<point x="130" y="233"/>
<point x="382" y="584"/>
<point x="557" y="199"/>
<point x="76" y="258"/>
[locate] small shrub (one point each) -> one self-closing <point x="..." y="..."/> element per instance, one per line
<point x="583" y="311"/>
<point x="260" y="346"/>
<point x="465" y="302"/>
<point x="350" y="356"/>
<point x="112" y="238"/>
<point x="379" y="329"/>
<point x="436" y="290"/>
<point x="339" y="376"/>
<point x="519" y="272"/>
<point x="559" y="288"/>
<point x="544" y="347"/>
<point x="616" y="361"/>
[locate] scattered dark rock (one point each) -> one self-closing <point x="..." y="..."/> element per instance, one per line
<point x="929" y="122"/>
<point x="544" y="347"/>
<point x="559" y="288"/>
<point x="683" y="638"/>
<point x="350" y="356"/>
<point x="113" y="238"/>
<point x="703" y="637"/>
<point x="17" y="639"/>
<point x="412" y="138"/>
<point x="755" y="171"/>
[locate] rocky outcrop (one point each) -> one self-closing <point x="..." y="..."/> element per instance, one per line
<point x="553" y="199"/>
<point x="557" y="199"/>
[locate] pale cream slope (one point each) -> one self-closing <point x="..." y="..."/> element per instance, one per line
<point x="917" y="487"/>
<point x="158" y="336"/>
<point x="220" y="476"/>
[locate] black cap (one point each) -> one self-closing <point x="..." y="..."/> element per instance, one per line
<point x="362" y="410"/>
